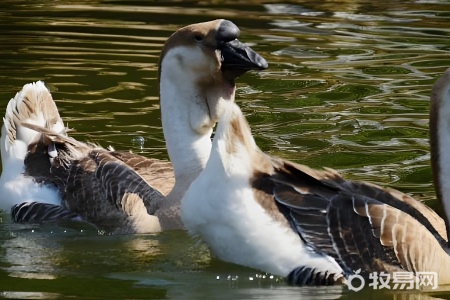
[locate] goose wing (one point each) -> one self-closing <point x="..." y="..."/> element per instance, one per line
<point x="362" y="226"/>
<point x="33" y="212"/>
<point x="157" y="173"/>
<point x="95" y="184"/>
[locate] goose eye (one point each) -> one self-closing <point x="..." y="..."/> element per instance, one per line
<point x="198" y="38"/>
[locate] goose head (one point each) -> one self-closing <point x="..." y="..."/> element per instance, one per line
<point x="203" y="60"/>
<point x="198" y="67"/>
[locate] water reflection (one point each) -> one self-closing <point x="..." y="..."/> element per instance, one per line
<point x="29" y="258"/>
<point x="29" y="295"/>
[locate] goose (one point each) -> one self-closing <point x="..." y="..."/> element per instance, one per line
<point x="48" y="176"/>
<point x="313" y="226"/>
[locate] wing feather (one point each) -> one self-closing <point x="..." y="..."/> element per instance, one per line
<point x="38" y="212"/>
<point x="362" y="226"/>
<point x="93" y="183"/>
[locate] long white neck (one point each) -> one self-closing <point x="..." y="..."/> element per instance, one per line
<point x="440" y="142"/>
<point x="189" y="112"/>
<point x="234" y="147"/>
<point x="188" y="150"/>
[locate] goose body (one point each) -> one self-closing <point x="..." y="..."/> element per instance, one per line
<point x="231" y="207"/>
<point x="49" y="176"/>
<point x="342" y="227"/>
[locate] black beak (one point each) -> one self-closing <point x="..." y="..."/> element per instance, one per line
<point x="237" y="58"/>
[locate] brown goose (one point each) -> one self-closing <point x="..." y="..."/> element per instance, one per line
<point x="49" y="176"/>
<point x="314" y="226"/>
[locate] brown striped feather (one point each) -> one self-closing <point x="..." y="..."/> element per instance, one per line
<point x="361" y="225"/>
<point x="415" y="247"/>
<point x="90" y="179"/>
<point x="358" y="224"/>
<point x="157" y="172"/>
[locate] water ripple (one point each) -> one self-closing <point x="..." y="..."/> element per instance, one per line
<point x="348" y="87"/>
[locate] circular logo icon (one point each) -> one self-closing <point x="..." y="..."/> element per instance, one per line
<point x="350" y="282"/>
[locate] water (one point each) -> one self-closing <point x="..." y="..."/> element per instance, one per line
<point x="348" y="87"/>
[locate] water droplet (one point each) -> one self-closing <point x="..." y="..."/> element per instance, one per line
<point x="32" y="230"/>
<point x="138" y="142"/>
<point x="217" y="277"/>
<point x="250" y="278"/>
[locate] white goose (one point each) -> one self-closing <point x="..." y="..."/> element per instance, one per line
<point x="313" y="226"/>
<point x="48" y="176"/>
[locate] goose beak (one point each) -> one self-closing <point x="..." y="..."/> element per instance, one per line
<point x="238" y="58"/>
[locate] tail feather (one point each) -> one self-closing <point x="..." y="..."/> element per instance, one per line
<point x="34" y="105"/>
<point x="75" y="150"/>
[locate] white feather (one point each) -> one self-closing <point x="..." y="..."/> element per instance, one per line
<point x="14" y="186"/>
<point x="220" y="206"/>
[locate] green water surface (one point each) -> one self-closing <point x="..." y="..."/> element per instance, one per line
<point x="348" y="88"/>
